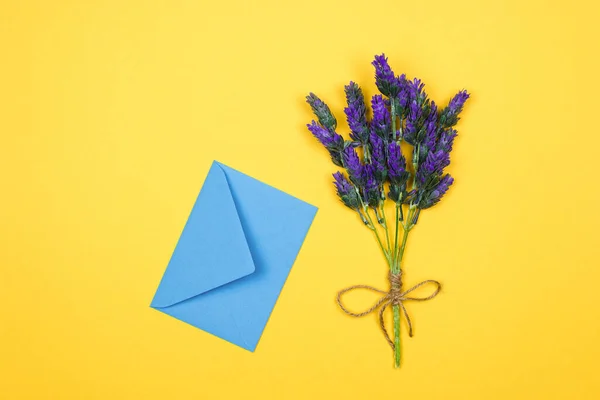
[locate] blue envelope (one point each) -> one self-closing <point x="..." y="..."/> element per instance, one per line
<point x="233" y="257"/>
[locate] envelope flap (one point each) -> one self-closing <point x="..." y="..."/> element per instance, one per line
<point x="212" y="250"/>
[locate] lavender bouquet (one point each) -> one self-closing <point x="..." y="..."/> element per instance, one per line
<point x="404" y="121"/>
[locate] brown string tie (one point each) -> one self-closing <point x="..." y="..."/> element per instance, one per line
<point x="395" y="296"/>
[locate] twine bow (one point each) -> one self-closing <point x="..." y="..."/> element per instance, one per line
<point x="395" y="296"/>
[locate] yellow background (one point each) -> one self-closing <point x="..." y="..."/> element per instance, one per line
<point x="112" y="111"/>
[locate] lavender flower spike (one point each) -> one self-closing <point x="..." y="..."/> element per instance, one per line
<point x="381" y="117"/>
<point x="356" y="113"/>
<point x="402" y="99"/>
<point x="396" y="164"/>
<point x="333" y="142"/>
<point x="458" y="101"/>
<point x="434" y="164"/>
<point x="431" y="127"/>
<point x="346" y="191"/>
<point x="397" y="173"/>
<point x="449" y="116"/>
<point x="387" y="83"/>
<point x="435" y="195"/>
<point x="378" y="157"/>
<point x="354" y="167"/>
<point x="416" y="99"/>
<point x="322" y="112"/>
<point x="371" y="192"/>
<point x="327" y="138"/>
<point x="446" y="140"/>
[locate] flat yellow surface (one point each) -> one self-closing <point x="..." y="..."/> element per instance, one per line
<point x="112" y="111"/>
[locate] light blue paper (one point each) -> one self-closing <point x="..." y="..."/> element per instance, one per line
<point x="233" y="256"/>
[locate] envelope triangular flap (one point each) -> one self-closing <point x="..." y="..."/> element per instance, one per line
<point x="212" y="249"/>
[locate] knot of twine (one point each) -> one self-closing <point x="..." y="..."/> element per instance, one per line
<point x="395" y="297"/>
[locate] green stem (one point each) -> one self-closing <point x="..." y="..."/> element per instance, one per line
<point x="366" y="153"/>
<point x="385" y="225"/>
<point x="396" y="268"/>
<point x="397" y="350"/>
<point x="396" y="234"/>
<point x="415" y="166"/>
<point x="374" y="229"/>
<point x="407" y="228"/>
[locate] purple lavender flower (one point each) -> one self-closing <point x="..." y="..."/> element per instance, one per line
<point x="322" y="112"/>
<point x="446" y="140"/>
<point x="449" y="116"/>
<point x="387" y="83"/>
<point x="333" y="142"/>
<point x="433" y="196"/>
<point x="435" y="150"/>
<point x="356" y="113"/>
<point x="434" y="165"/>
<point x="346" y="191"/>
<point x="397" y="173"/>
<point x="396" y="163"/>
<point x="416" y="91"/>
<point x="329" y="139"/>
<point x="458" y="101"/>
<point x="403" y="94"/>
<point x="381" y="117"/>
<point x="416" y="99"/>
<point x="371" y="190"/>
<point x="431" y="127"/>
<point x="378" y="157"/>
<point x="355" y="168"/>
